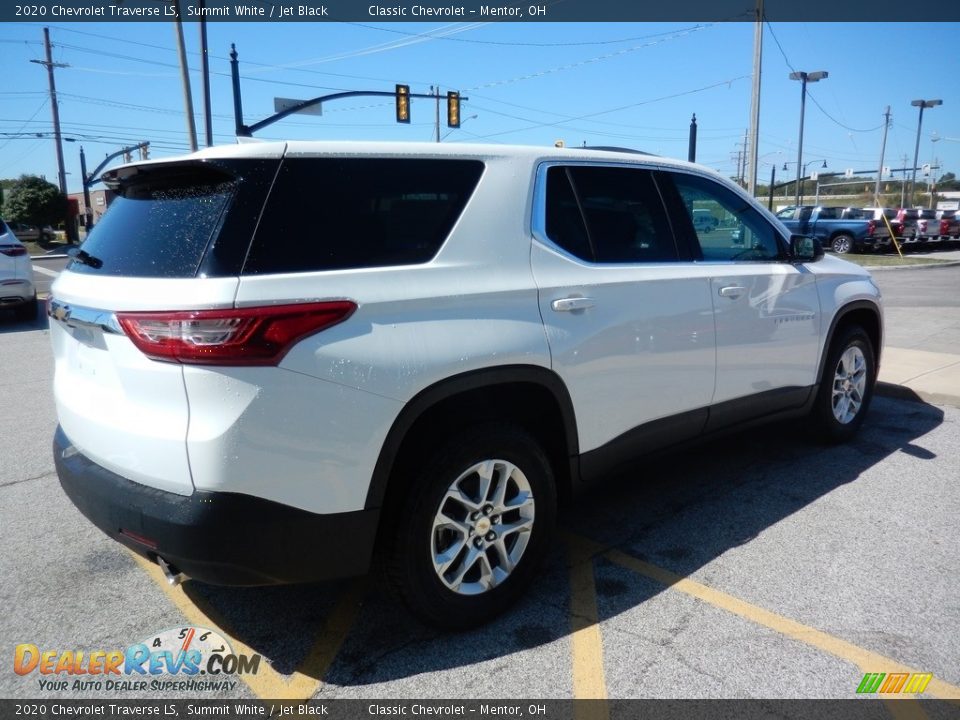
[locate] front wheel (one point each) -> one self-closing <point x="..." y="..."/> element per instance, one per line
<point x="842" y="244"/>
<point x="474" y="525"/>
<point x="846" y="386"/>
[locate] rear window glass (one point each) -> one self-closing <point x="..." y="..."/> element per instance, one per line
<point x="340" y="213"/>
<point x="608" y="215"/>
<point x="160" y="224"/>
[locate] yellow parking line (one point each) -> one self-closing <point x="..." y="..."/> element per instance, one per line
<point x="866" y="660"/>
<point x="589" y="681"/>
<point x="268" y="684"/>
<point x="905" y="708"/>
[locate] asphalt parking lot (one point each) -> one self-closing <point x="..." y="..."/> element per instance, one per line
<point x="761" y="566"/>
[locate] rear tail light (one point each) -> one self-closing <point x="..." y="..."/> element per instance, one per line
<point x="13" y="250"/>
<point x="871" y="227"/>
<point x="244" y="336"/>
<point x="944" y="227"/>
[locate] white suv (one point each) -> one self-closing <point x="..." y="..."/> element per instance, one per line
<point x="17" y="291"/>
<point x="277" y="362"/>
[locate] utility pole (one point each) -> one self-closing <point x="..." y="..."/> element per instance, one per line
<point x="903" y="183"/>
<point x="50" y="65"/>
<point x="205" y="77"/>
<point x="742" y="160"/>
<point x="185" y="78"/>
<point x="743" y="167"/>
<point x="58" y="138"/>
<point x="755" y="100"/>
<point x="436" y="122"/>
<point x="87" y="210"/>
<point x="883" y="148"/>
<point x="692" y="144"/>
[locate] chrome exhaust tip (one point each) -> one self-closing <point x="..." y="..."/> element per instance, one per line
<point x="171" y="572"/>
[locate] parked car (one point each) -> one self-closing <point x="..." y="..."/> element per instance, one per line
<point x="908" y="219"/>
<point x="337" y="352"/>
<point x="32" y="233"/>
<point x="704" y="221"/>
<point x="949" y="224"/>
<point x="17" y="291"/>
<point x="928" y="225"/>
<point x="842" y="230"/>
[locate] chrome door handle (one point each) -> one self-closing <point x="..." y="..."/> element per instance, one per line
<point x="732" y="291"/>
<point x="572" y="303"/>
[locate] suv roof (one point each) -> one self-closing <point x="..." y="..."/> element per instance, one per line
<point x="382" y="149"/>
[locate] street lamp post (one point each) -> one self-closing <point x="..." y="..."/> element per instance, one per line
<point x="916" y="153"/>
<point x="798" y="198"/>
<point x="804" y="78"/>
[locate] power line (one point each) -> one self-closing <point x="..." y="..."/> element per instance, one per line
<point x="809" y="93"/>
<point x="35" y="112"/>
<point x="622" y="107"/>
<point x="529" y="44"/>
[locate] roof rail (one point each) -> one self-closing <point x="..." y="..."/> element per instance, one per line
<point x="611" y="148"/>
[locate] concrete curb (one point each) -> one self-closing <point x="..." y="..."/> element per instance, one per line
<point x="902" y="392"/>
<point x="919" y="266"/>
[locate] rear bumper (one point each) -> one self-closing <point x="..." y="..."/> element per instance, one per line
<point x="219" y="538"/>
<point x="15" y="292"/>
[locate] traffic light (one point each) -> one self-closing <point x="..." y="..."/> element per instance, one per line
<point x="144" y="151"/>
<point x="127" y="155"/>
<point x="403" y="103"/>
<point x="453" y="109"/>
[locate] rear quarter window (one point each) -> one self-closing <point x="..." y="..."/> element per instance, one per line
<point x="341" y="213"/>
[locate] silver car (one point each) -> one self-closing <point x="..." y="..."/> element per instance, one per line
<point x="17" y="291"/>
<point x="31" y="233"/>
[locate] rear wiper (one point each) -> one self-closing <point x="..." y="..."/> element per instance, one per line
<point x="85" y="258"/>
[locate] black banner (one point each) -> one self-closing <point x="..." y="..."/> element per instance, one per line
<point x="471" y="11"/>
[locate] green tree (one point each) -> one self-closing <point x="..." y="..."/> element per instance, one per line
<point x="948" y="181"/>
<point x="33" y="200"/>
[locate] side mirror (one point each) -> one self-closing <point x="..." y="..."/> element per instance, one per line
<point x="805" y="249"/>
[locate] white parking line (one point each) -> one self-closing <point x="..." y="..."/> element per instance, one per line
<point x="44" y="271"/>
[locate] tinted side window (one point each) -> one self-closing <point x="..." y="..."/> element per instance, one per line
<point x="829" y="213"/>
<point x="564" y="220"/>
<point x="621" y="209"/>
<point x="338" y="213"/>
<point x="743" y="234"/>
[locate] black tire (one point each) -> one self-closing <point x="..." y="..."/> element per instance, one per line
<point x="838" y="423"/>
<point x="842" y="244"/>
<point x="28" y="311"/>
<point x="409" y="560"/>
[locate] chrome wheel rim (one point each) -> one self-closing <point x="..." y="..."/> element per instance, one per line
<point x="841" y="245"/>
<point x="481" y="527"/>
<point x="849" y="385"/>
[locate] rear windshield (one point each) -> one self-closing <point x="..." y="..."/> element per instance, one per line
<point x="928" y="214"/>
<point x="160" y="224"/>
<point x="338" y="213"/>
<point x="177" y="220"/>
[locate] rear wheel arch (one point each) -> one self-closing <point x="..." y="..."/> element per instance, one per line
<point x="532" y="397"/>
